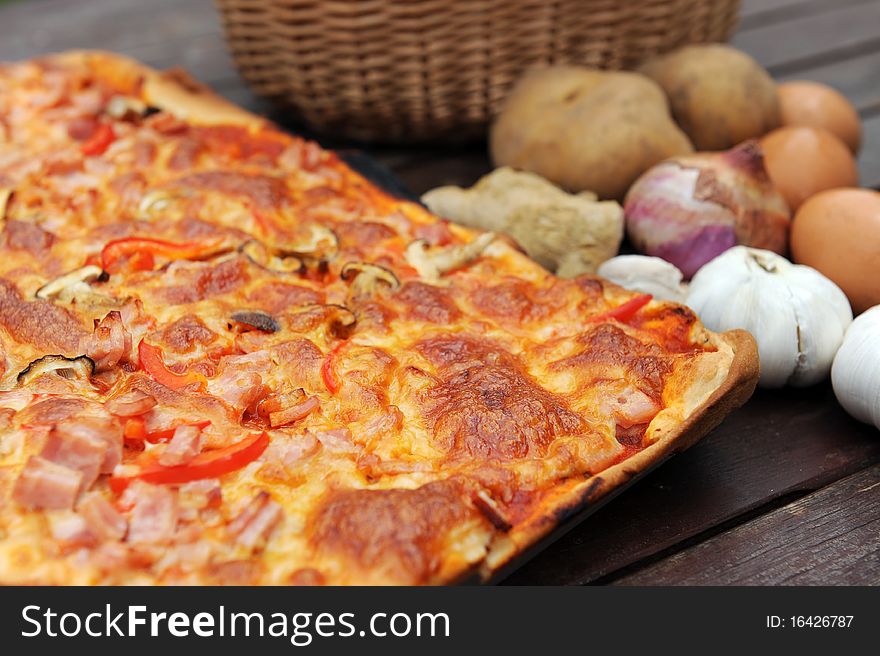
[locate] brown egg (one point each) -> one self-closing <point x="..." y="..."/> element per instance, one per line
<point x="816" y="105"/>
<point x="804" y="161"/>
<point x="837" y="232"/>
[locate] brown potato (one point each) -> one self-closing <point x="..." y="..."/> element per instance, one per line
<point x="719" y="96"/>
<point x="586" y="129"/>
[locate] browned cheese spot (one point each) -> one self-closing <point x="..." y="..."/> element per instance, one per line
<point x="487" y="406"/>
<point x="393" y="533"/>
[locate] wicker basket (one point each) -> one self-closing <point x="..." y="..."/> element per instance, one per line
<point x="415" y="70"/>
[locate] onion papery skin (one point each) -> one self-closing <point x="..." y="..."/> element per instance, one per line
<point x="688" y="210"/>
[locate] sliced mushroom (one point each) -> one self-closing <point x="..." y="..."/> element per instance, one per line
<point x="257" y="253"/>
<point x="320" y="244"/>
<point x="126" y="108"/>
<point x="338" y="320"/>
<point x="257" y="319"/>
<point x="76" y="280"/>
<point x="431" y="263"/>
<point x="79" y="368"/>
<point x="5" y="196"/>
<point x="366" y="278"/>
<point x="156" y="203"/>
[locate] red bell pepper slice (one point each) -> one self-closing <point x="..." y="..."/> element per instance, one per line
<point x="328" y="370"/>
<point x="210" y="464"/>
<point x="625" y="311"/>
<point x="153" y="363"/>
<point x="99" y="142"/>
<point x="140" y="251"/>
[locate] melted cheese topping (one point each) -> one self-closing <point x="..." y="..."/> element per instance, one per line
<point x="445" y="409"/>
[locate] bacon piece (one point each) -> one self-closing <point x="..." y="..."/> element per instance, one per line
<point x="184" y="446"/>
<point x="436" y="234"/>
<point x="197" y="495"/>
<point x="72" y="529"/>
<point x="40" y="323"/>
<point x="81" y="450"/>
<point x="608" y="345"/>
<point x="301" y="154"/>
<point x="289" y="454"/>
<point x="265" y="192"/>
<point x="363" y="234"/>
<point x="101" y="517"/>
<point x="110" y="343"/>
<point x="153" y="517"/>
<point x="52" y="410"/>
<point x="276" y="297"/>
<point x="306" y="577"/>
<point x="294" y="412"/>
<point x="185" y="154"/>
<point x="93" y="445"/>
<point x="28" y="237"/>
<point x="373" y="466"/>
<point x="252" y="526"/>
<point x="632" y="406"/>
<point x="234" y="572"/>
<point x="144" y="153"/>
<point x="239" y="382"/>
<point x="131" y="404"/>
<point x="6" y="415"/>
<point x="129" y="188"/>
<point x="240" y="143"/>
<point x="198" y="282"/>
<point x="186" y="333"/>
<point x="337" y="440"/>
<point x="16" y="398"/>
<point x="81" y="128"/>
<point x="45" y="484"/>
<point x="300" y="449"/>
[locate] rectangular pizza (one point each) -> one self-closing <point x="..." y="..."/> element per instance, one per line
<point x="227" y="358"/>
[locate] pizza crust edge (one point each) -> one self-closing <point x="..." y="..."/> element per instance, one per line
<point x="562" y="509"/>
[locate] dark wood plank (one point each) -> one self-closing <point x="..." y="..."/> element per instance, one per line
<point x="831" y="537"/>
<point x="39" y="26"/>
<point x="781" y="444"/>
<point x="755" y="13"/>
<point x="869" y="158"/>
<point x="811" y="40"/>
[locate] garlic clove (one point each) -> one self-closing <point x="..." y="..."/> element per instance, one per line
<point x="822" y="313"/>
<point x="762" y="309"/>
<point x="797" y="315"/>
<point x="855" y="374"/>
<point x="649" y="275"/>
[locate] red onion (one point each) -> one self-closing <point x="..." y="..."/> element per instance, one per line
<point x="690" y="209"/>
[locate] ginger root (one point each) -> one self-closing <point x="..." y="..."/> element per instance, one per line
<point x="568" y="234"/>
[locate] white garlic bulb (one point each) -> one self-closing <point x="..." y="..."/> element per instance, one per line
<point x="855" y="375"/>
<point x="797" y="316"/>
<point x="646" y="274"/>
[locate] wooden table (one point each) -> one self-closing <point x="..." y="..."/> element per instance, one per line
<point x="787" y="490"/>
